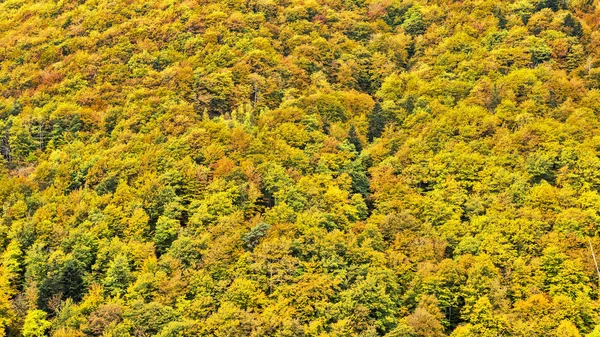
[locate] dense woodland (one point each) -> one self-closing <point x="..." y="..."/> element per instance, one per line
<point x="399" y="168"/>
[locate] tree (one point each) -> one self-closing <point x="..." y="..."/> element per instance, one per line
<point x="555" y="5"/>
<point x="6" y="310"/>
<point x="427" y="318"/>
<point x="11" y="263"/>
<point x="501" y="18"/>
<point x="69" y="280"/>
<point x="118" y="276"/>
<point x="377" y="123"/>
<point x="566" y="329"/>
<point x="483" y="320"/>
<point x="413" y="21"/>
<point x="353" y="138"/>
<point x="402" y="330"/>
<point x="595" y="332"/>
<point x="253" y="237"/>
<point x="572" y="25"/>
<point x="165" y="233"/>
<point x="35" y="324"/>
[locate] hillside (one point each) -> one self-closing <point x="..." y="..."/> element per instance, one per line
<point x="398" y="168"/>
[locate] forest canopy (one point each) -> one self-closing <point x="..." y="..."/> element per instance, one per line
<point x="398" y="168"/>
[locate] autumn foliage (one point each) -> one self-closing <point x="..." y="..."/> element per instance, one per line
<point x="399" y="168"/>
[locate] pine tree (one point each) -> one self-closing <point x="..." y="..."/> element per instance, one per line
<point x="573" y="26"/>
<point x="501" y="18"/>
<point x="69" y="281"/>
<point x="496" y="99"/>
<point x="252" y="238"/>
<point x="376" y="123"/>
<point x="413" y="23"/>
<point x="353" y="138"/>
<point x="118" y="275"/>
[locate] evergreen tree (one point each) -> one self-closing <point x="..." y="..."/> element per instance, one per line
<point x="69" y="281"/>
<point x="376" y="122"/>
<point x="253" y="237"/>
<point x="501" y="18"/>
<point x="572" y="25"/>
<point x="413" y="21"/>
<point x="118" y="276"/>
<point x="353" y="138"/>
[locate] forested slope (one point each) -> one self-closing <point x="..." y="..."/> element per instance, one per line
<point x="299" y="168"/>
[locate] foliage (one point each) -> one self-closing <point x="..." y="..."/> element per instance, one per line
<point x="299" y="168"/>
